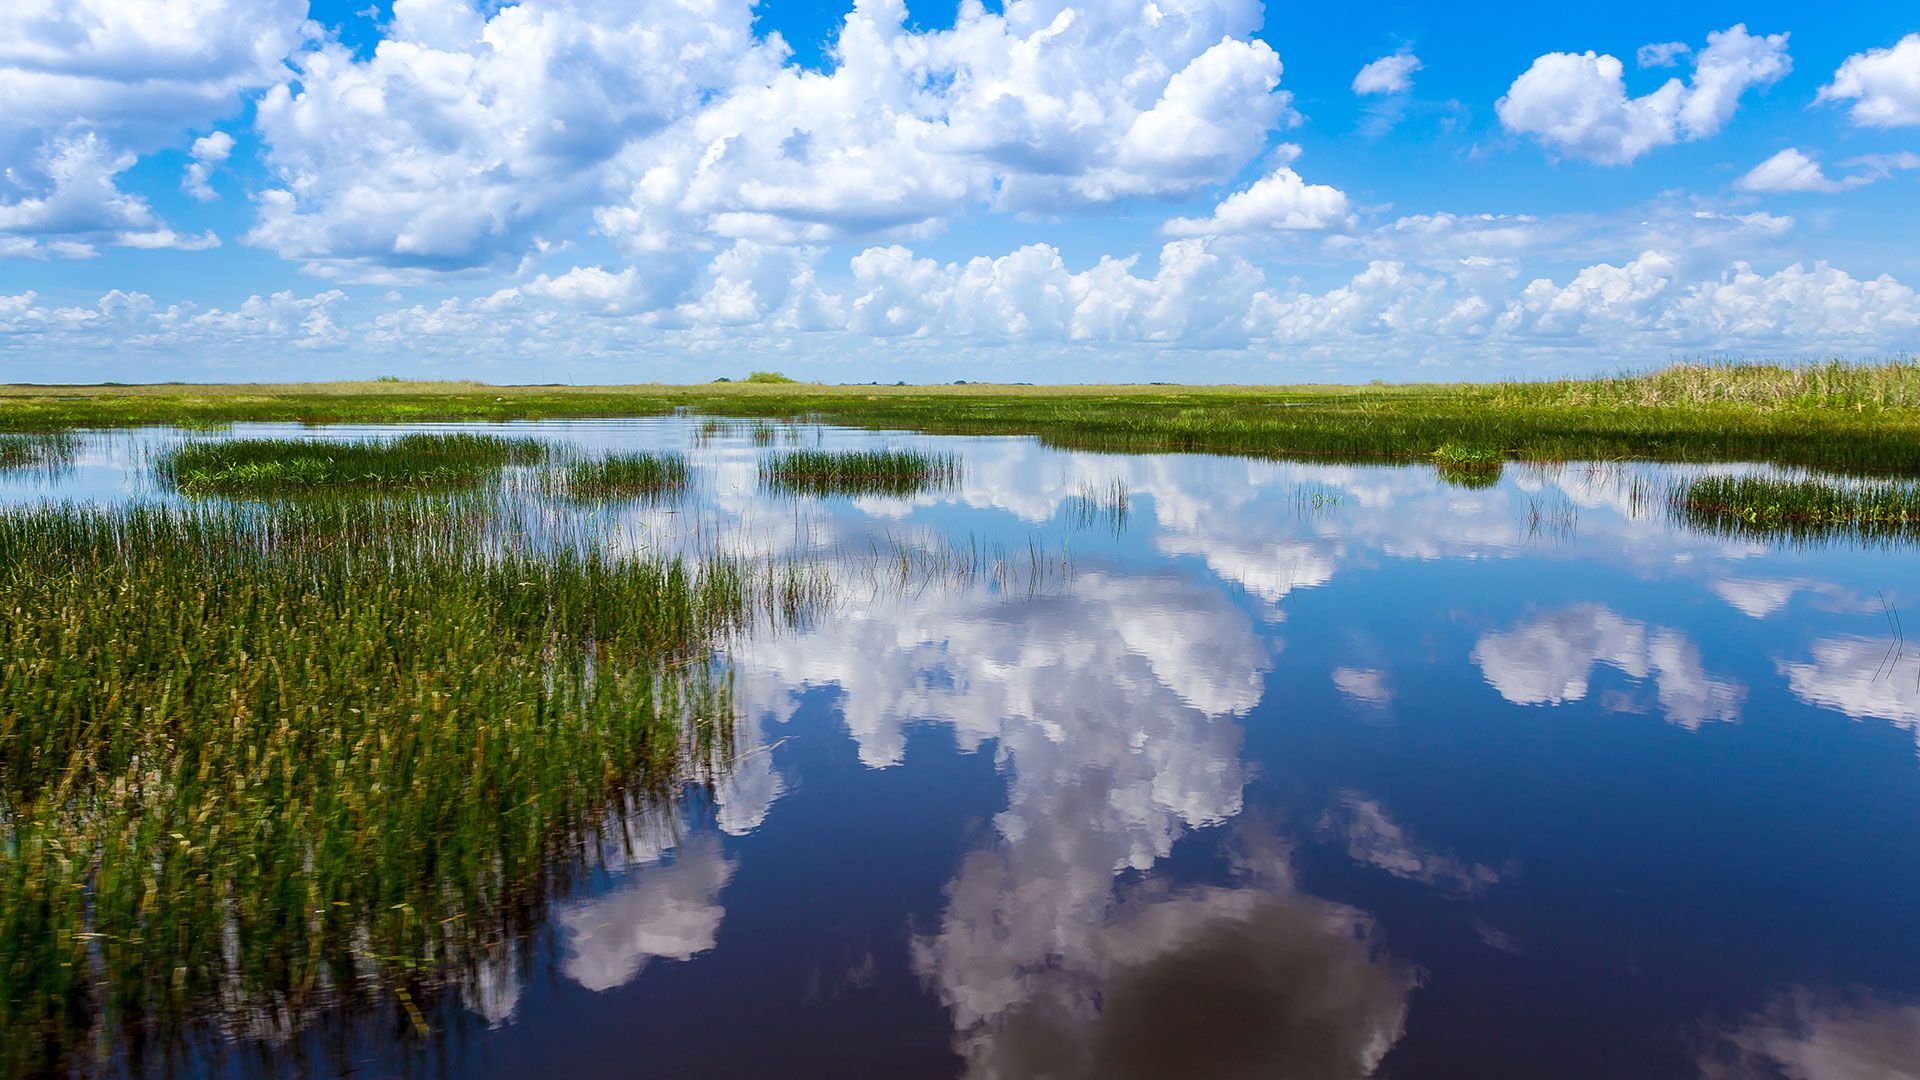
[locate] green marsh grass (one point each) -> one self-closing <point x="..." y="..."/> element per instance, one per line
<point x="1860" y="418"/>
<point x="280" y="467"/>
<point x="1798" y="509"/>
<point x="257" y="761"/>
<point x="860" y="472"/>
<point x="1469" y="466"/>
<point x="621" y="476"/>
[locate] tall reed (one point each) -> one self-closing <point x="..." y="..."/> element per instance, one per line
<point x="259" y="761"/>
<point x="621" y="476"/>
<point x="1765" y="507"/>
<point x="859" y="472"/>
<point x="268" y="467"/>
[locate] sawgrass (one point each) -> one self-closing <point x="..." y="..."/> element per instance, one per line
<point x="824" y="473"/>
<point x="1763" y="507"/>
<point x="270" y="467"/>
<point x="257" y="761"/>
<point x="622" y="476"/>
<point x="1838" y="416"/>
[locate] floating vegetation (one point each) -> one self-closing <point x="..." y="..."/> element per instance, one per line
<point x="1468" y="466"/>
<point x="270" y="467"/>
<point x="1096" y="506"/>
<point x="1805" y="509"/>
<point x="860" y="472"/>
<point x="45" y="453"/>
<point x="621" y="476"/>
<point x="259" y="761"/>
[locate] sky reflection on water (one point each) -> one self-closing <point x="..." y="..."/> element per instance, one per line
<point x="1302" y="770"/>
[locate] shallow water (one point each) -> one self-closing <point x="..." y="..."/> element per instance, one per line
<point x="1297" y="769"/>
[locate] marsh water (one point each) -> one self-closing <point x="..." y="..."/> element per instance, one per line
<point x="1226" y="767"/>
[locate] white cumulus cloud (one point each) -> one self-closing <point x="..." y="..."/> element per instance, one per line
<point x="1279" y="202"/>
<point x="1881" y="86"/>
<point x="88" y="85"/>
<point x="465" y="133"/>
<point x="78" y="204"/>
<point x="1576" y="104"/>
<point x="209" y="152"/>
<point x="1040" y="107"/>
<point x="1388" y="75"/>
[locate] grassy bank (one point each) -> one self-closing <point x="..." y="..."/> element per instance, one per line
<point x="1837" y="416"/>
<point x="255" y="762"/>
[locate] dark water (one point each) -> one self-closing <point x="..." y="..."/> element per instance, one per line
<point x="1299" y="770"/>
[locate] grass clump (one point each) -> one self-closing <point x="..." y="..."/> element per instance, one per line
<point x="860" y="472"/>
<point x="1768" y="507"/>
<point x="624" y="476"/>
<point x="1469" y="466"/>
<point x="260" y="761"/>
<point x="268" y="467"/>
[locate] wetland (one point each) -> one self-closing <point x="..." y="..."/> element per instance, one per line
<point x="682" y="745"/>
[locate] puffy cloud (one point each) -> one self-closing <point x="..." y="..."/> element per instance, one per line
<point x="1549" y="661"/>
<point x="1577" y="103"/>
<point x="79" y="203"/>
<point x="1279" y="202"/>
<point x="1039" y="107"/>
<point x="1819" y="305"/>
<point x="1788" y="170"/>
<point x="1601" y="300"/>
<point x="90" y="84"/>
<point x="752" y="298"/>
<point x="1881" y="86"/>
<point x="464" y="133"/>
<point x="1792" y="170"/>
<point x="752" y="283"/>
<point x="1198" y="296"/>
<point x="1388" y="75"/>
<point x="209" y="152"/>
<point x="140" y="71"/>
<point x="467" y="133"/>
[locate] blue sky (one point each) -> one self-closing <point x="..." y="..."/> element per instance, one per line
<point x="602" y="190"/>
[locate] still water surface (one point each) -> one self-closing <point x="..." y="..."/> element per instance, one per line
<point x="1296" y="770"/>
